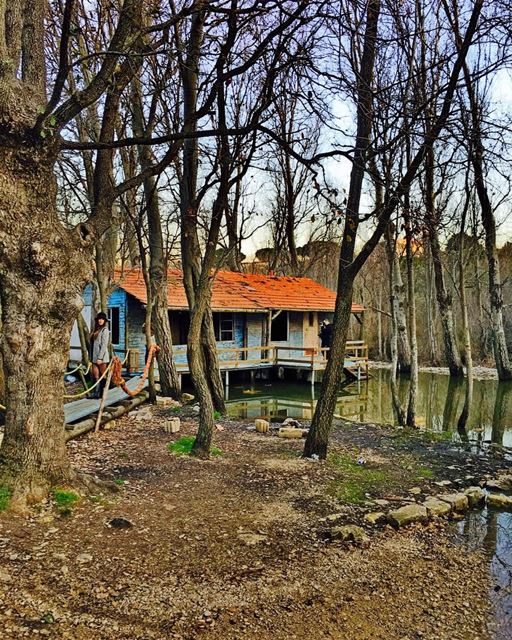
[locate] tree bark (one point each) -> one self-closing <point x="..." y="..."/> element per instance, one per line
<point x="157" y="281"/>
<point x="476" y="154"/>
<point x="318" y="435"/>
<point x="397" y="302"/>
<point x="444" y="298"/>
<point x="43" y="275"/>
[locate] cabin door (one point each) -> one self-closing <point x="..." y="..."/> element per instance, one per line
<point x="310" y="332"/>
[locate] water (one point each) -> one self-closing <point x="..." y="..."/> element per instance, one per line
<point x="491" y="531"/>
<point x="440" y="402"/>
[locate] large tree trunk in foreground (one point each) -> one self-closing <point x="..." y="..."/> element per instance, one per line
<point x="44" y="270"/>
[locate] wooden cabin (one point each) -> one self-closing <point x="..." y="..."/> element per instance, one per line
<point x="260" y="320"/>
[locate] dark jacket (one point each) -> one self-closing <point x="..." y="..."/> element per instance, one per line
<point x="326" y="335"/>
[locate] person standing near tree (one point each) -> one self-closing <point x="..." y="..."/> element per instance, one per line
<point x="100" y="357"/>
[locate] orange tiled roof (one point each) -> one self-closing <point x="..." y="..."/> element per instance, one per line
<point x="233" y="291"/>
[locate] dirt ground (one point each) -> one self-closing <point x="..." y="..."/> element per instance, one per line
<point x="239" y="547"/>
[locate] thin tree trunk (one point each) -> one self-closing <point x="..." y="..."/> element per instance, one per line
<point x="318" y="435"/>
<point x="397" y="301"/>
<point x="158" y="286"/>
<point x="413" y="386"/>
<point x="477" y="153"/>
<point x="468" y="398"/>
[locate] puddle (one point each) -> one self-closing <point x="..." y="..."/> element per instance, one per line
<point x="491" y="531"/>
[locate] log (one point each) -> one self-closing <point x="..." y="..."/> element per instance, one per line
<point x="80" y="428"/>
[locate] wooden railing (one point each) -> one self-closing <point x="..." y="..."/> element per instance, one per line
<point x="356" y="351"/>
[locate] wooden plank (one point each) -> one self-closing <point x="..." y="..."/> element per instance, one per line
<point x="74" y="411"/>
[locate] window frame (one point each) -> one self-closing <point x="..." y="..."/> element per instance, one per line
<point x="115" y="328"/>
<point x="287" y="338"/>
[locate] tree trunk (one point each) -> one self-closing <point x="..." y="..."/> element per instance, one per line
<point x="444" y="300"/>
<point x="397" y="301"/>
<point x="211" y="358"/>
<point x="477" y="153"/>
<point x="413" y="386"/>
<point x="433" y="355"/>
<point x="318" y="436"/>
<point x="468" y="398"/>
<point x="44" y="270"/>
<point x="157" y="281"/>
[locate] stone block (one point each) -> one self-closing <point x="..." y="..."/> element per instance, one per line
<point x="187" y="397"/>
<point x="476" y="496"/>
<point x="262" y="426"/>
<point x="407" y="515"/>
<point x="436" y="508"/>
<point x="172" y="425"/>
<point x="348" y="533"/>
<point x="457" y="501"/>
<point x="375" y="517"/>
<point x="165" y="401"/>
<point x="500" y="501"/>
<point x="290" y="433"/>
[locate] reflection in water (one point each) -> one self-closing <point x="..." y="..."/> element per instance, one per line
<point x="492" y="531"/>
<point x="440" y="401"/>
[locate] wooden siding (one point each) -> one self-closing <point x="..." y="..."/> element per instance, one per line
<point x="118" y="299"/>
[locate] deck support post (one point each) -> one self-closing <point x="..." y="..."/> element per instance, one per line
<point x="227" y="378"/>
<point x="313" y="378"/>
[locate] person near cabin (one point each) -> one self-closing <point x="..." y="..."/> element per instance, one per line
<point x="325" y="336"/>
<point x="100" y="356"/>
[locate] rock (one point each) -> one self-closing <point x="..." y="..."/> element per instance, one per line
<point x="262" y="426"/>
<point x="252" y="539"/>
<point x="436" y="508"/>
<point x="457" y="501"/>
<point x="84" y="558"/>
<point x="143" y="415"/>
<point x="408" y="514"/>
<point x="443" y="483"/>
<point x="5" y="577"/>
<point x="187" y="397"/>
<point x="500" y="501"/>
<point x="503" y="483"/>
<point x="415" y="490"/>
<point x="172" y="425"/>
<point x="111" y="424"/>
<point x="348" y="533"/>
<point x="120" y="523"/>
<point x="289" y="432"/>
<point x="165" y="401"/>
<point x="375" y="517"/>
<point x="196" y="408"/>
<point x="381" y="502"/>
<point x="476" y="496"/>
<point x="333" y="517"/>
<point x="291" y="422"/>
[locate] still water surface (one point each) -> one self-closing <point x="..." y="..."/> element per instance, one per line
<point x="440" y="402"/>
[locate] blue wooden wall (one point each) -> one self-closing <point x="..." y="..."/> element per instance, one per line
<point x="132" y="316"/>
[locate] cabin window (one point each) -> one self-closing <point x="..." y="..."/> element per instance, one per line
<point x="113" y="321"/>
<point x="279" y="329"/>
<point x="311" y="319"/>
<point x="224" y="327"/>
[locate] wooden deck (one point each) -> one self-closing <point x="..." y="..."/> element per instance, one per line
<point x="244" y="359"/>
<point x="79" y="409"/>
<point x="304" y="358"/>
